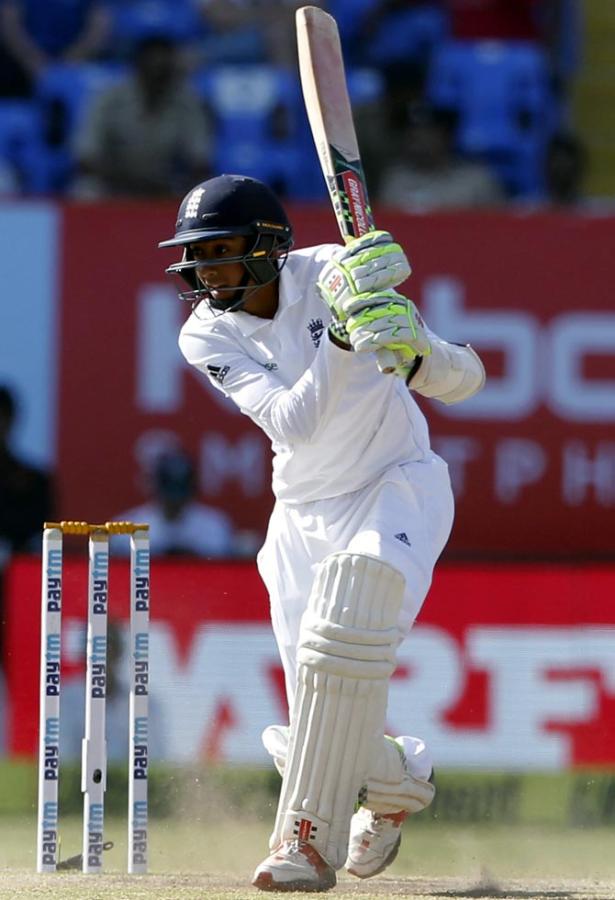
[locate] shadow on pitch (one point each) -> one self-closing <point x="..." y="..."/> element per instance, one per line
<point x="492" y="892"/>
<point x="489" y="889"/>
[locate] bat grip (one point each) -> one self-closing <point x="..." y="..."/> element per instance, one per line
<point x="387" y="361"/>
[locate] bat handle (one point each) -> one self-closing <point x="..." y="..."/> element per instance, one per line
<point x="387" y="361"/>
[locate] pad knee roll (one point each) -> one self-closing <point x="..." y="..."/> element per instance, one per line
<point x="350" y="626"/>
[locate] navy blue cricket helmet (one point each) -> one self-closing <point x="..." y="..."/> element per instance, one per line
<point x="226" y="206"/>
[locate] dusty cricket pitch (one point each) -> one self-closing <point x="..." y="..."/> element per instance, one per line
<point x="215" y="860"/>
<point x="218" y="887"/>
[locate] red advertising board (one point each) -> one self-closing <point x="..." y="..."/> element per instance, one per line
<point x="507" y="667"/>
<point x="532" y="457"/>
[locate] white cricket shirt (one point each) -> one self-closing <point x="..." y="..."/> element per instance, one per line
<point x="334" y="420"/>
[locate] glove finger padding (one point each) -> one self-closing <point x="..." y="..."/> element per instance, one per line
<point x="359" y="303"/>
<point x="373" y="262"/>
<point x="395" y="324"/>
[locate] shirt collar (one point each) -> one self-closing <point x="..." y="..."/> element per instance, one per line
<point x="289" y="294"/>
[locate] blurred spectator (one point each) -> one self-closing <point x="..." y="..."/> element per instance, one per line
<point x="553" y="24"/>
<point x="565" y="170"/>
<point x="179" y="524"/>
<point x="566" y="165"/>
<point x="386" y="33"/>
<point x="394" y="40"/>
<point x="72" y="706"/>
<point x="25" y="491"/>
<point x="234" y="34"/>
<point x="249" y="31"/>
<point x="134" y="20"/>
<point x="9" y="182"/>
<point x="428" y="176"/>
<point x="37" y="33"/>
<point x="148" y="135"/>
<point x="381" y="123"/>
<point x="567" y="28"/>
<point x="25" y="497"/>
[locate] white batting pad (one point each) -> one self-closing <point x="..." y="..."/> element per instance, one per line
<point x="345" y="658"/>
<point x="393" y="784"/>
<point x="275" y="741"/>
<point x="398" y="772"/>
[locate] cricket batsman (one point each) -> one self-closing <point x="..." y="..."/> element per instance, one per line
<point x="363" y="505"/>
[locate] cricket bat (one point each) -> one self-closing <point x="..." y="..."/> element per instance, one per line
<point x="323" y="81"/>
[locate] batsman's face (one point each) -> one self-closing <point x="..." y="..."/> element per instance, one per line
<point x="221" y="269"/>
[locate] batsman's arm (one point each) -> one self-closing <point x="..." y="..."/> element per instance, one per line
<point x="288" y="415"/>
<point x="430" y="365"/>
<point x="451" y="373"/>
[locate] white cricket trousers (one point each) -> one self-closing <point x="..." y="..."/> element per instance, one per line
<point x="404" y="518"/>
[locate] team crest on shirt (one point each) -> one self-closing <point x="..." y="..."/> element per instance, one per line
<point x="270" y="366"/>
<point x="218" y="373"/>
<point x="316" y="328"/>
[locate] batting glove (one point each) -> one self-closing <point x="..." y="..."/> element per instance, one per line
<point x="392" y="322"/>
<point x="370" y="263"/>
<point x="339" y="335"/>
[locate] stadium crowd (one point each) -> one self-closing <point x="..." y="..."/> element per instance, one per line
<point x="457" y="102"/>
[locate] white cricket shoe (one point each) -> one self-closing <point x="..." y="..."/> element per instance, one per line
<point x="294" y="866"/>
<point x="374" y="841"/>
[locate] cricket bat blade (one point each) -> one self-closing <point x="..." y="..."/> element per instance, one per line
<point x="329" y="112"/>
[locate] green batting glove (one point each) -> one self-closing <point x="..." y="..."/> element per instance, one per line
<point x="392" y="322"/>
<point x="368" y="264"/>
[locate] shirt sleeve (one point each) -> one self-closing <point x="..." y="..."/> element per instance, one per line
<point x="287" y="415"/>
